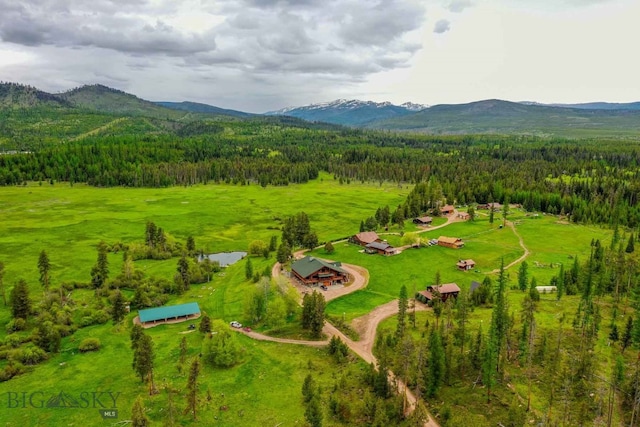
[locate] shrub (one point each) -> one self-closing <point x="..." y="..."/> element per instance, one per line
<point x="29" y="354"/>
<point x="94" y="317"/>
<point x="89" y="344"/>
<point x="16" y="325"/>
<point x="10" y="371"/>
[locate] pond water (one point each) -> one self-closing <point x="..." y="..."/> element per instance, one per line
<point x="225" y="258"/>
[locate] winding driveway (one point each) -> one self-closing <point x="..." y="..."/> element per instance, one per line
<point x="367" y="325"/>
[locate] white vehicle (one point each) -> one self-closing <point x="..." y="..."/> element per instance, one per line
<point x="235" y="324"/>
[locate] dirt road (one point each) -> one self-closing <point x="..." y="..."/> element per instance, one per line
<point x="522" y="258"/>
<point x="366" y="326"/>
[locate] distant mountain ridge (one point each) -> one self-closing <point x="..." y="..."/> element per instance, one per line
<point x="196" y="107"/>
<point x="15" y="95"/>
<point x="602" y="106"/>
<point x="488" y="116"/>
<point x="497" y="116"/>
<point x="349" y="112"/>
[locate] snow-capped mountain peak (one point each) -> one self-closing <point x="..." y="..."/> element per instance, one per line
<point x="349" y="104"/>
<point x="350" y="112"/>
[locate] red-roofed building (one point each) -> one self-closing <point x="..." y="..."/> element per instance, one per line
<point x="466" y="264"/>
<point x="447" y="210"/>
<point x="364" y="238"/>
<point x="445" y="291"/>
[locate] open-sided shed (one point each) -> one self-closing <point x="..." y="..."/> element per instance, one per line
<point x="170" y="313"/>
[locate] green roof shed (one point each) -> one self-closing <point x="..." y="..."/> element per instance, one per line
<point x="169" y="312"/>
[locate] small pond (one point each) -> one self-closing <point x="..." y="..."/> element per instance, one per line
<point x="225" y="258"/>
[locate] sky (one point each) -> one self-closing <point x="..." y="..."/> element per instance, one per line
<point x="261" y="55"/>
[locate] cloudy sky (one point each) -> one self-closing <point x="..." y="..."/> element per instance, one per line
<point x="259" y="55"/>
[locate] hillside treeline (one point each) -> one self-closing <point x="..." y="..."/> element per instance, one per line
<point x="590" y="181"/>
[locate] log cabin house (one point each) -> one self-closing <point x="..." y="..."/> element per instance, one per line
<point x="313" y="272"/>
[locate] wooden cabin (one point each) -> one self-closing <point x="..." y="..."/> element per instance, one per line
<point x="313" y="271"/>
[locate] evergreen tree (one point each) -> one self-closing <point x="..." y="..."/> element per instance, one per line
<point x="472" y="213"/>
<point x="308" y="389"/>
<point x="138" y="416"/>
<point x="205" y="324"/>
<point x="192" y="388"/>
<point x="248" y="269"/>
<point x="310" y="240"/>
<point x="313" y="413"/>
<point x="313" y="306"/>
<point x="136" y="332"/>
<point x="505" y="211"/>
<point x="381" y="385"/>
<point x="476" y="351"/>
<point x="491" y="365"/>
<point x="143" y="355"/>
<point x="328" y="248"/>
<point x="100" y="271"/>
<point x="44" y="267"/>
<point x="490" y="214"/>
<point x="402" y="312"/>
<point x="284" y="253"/>
<point x="523" y="276"/>
<point x="2" y="290"/>
<point x="533" y="290"/>
<point x="151" y="234"/>
<point x="20" y="301"/>
<point x="613" y="335"/>
<point x="630" y="245"/>
<point x="184" y="276"/>
<point x="436" y="373"/>
<point x="191" y="245"/>
<point x="361" y="226"/>
<point x="317" y="319"/>
<point x="119" y="310"/>
<point x="273" y="243"/>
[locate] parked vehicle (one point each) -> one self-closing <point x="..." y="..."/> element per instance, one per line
<point x="235" y="324"/>
<point x="323" y="287"/>
<point x="246" y="329"/>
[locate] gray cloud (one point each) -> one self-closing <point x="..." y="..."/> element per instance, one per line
<point x="55" y="23"/>
<point x="458" y="6"/>
<point x="267" y="50"/>
<point x="442" y="26"/>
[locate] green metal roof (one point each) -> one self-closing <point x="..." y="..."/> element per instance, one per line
<point x="306" y="266"/>
<point x="168" y="312"/>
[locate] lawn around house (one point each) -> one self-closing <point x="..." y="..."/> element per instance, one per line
<point x="487" y="244"/>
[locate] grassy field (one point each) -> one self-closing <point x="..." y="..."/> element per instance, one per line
<point x="548" y="241"/>
<point x="264" y="388"/>
<point x="69" y="221"/>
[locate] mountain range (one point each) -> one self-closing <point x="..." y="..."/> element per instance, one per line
<point x="487" y="116"/>
<point x="349" y="112"/>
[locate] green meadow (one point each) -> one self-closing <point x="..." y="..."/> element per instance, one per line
<point x="68" y="222"/>
<point x="263" y="388"/>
